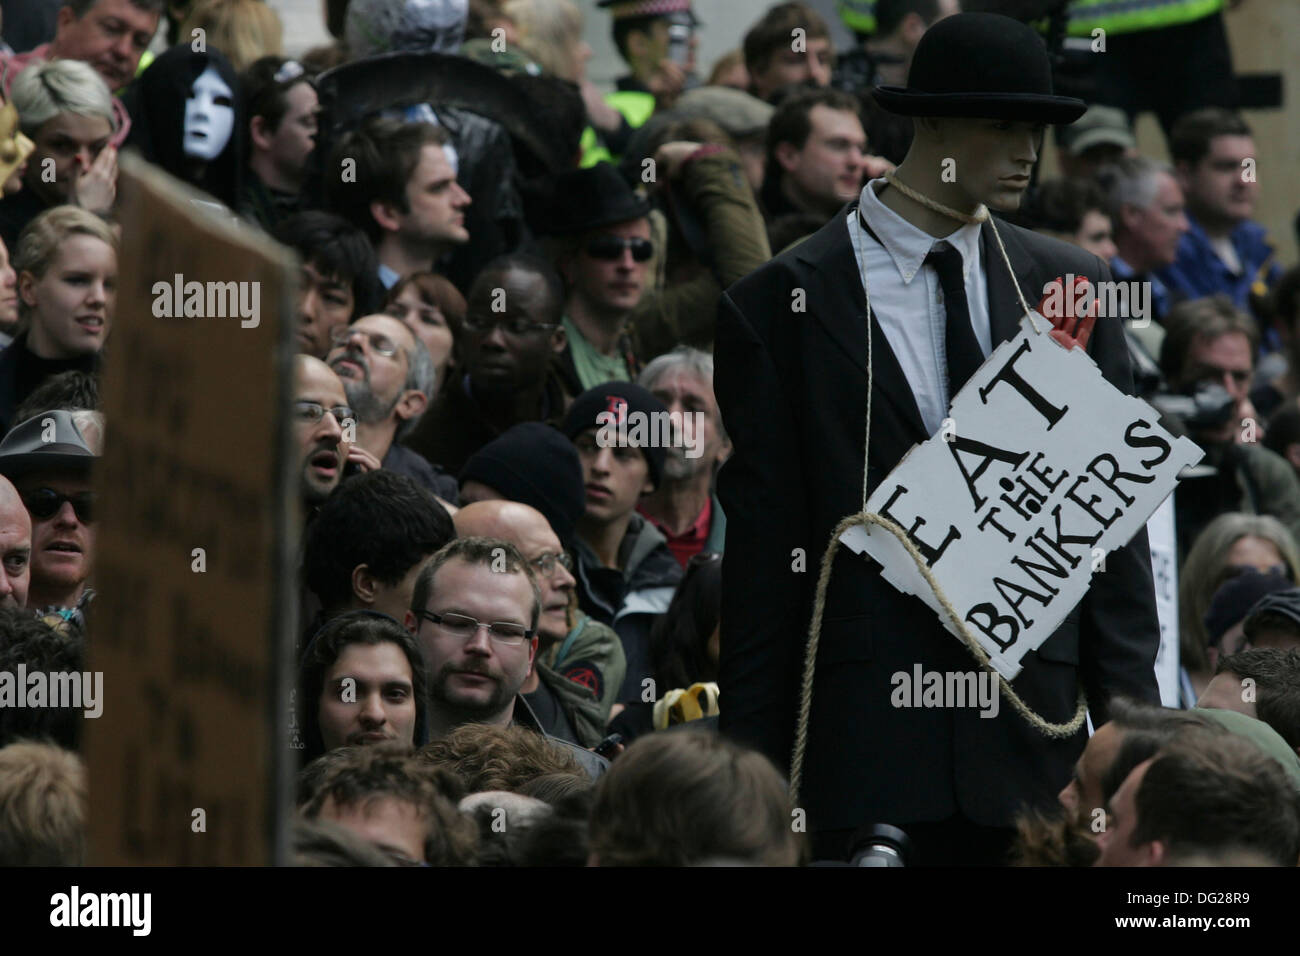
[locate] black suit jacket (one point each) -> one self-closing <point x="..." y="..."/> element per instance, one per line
<point x="792" y="390"/>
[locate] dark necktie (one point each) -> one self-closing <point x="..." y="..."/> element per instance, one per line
<point x="964" y="353"/>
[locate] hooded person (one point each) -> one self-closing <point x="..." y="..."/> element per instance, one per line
<point x="188" y="118"/>
<point x="793" y="386"/>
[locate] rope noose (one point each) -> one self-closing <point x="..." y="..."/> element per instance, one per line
<point x="866" y="518"/>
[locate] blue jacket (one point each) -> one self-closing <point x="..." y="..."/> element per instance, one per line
<point x="1198" y="271"/>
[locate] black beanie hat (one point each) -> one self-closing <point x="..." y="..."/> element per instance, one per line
<point x="534" y="464"/>
<point x="620" y="399"/>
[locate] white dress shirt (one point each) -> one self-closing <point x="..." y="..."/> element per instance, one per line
<point x="911" y="313"/>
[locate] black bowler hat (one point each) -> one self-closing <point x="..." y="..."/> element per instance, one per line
<point x="981" y="66"/>
<point x="581" y="200"/>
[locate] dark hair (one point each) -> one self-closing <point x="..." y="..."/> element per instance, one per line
<point x="1276" y="674"/>
<point x="336" y="248"/>
<point x="530" y="263"/>
<point x="1061" y="204"/>
<point x="625" y="26"/>
<point x="25" y="639"/>
<point x="266" y="96"/>
<point x="792" y="123"/>
<point x="1148" y="730"/>
<point x="387" y="771"/>
<point x="355" y="627"/>
<point x="1201" y="319"/>
<point x="890" y="13"/>
<point x="773" y="32"/>
<point x="489" y="552"/>
<point x="380" y="519"/>
<point x="1283" y="428"/>
<point x="679" y="639"/>
<point x="1218" y="794"/>
<point x="385" y="153"/>
<point x="554" y="787"/>
<point x="437" y="291"/>
<point x="70" y="391"/>
<point x="1189" y="139"/>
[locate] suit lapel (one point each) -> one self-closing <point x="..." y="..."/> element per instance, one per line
<point x="838" y="304"/>
<point x="1004" y="305"/>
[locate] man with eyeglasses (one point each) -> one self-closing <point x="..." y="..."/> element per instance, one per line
<point x="1209" y="352"/>
<point x="602" y="248"/>
<point x="49" y="458"/>
<point x="320" y="408"/>
<point x="508" y="345"/>
<point x="580" y="663"/>
<point x="475" y="613"/>
<point x="388" y="378"/>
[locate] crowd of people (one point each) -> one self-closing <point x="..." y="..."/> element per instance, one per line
<point x="511" y="641"/>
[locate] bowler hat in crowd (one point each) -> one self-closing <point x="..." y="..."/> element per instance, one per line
<point x="581" y="200"/>
<point x="984" y="66"/>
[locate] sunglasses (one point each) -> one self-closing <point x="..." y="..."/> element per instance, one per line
<point x="611" y="247"/>
<point x="45" y="503"/>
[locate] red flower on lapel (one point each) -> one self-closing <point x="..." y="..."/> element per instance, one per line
<point x="1062" y="306"/>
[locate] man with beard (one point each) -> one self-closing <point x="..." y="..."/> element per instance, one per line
<point x="320" y="407"/>
<point x="361" y="682"/>
<point x="684" y="507"/>
<point x="580" y="663"/>
<point x="388" y="377"/>
<point x="53" y="477"/>
<point x="509" y="341"/>
<point x="475" y="613"/>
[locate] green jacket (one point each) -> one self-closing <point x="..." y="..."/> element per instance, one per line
<point x="591" y="658"/>
<point x="715" y="187"/>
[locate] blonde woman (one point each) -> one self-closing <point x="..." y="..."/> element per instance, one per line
<point x="1229" y="544"/>
<point x="244" y="30"/>
<point x="66" y="260"/>
<point x="550" y="31"/>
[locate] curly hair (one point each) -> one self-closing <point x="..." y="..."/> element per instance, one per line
<point x="487" y="757"/>
<point x="366" y="775"/>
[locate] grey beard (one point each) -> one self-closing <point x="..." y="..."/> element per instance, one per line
<point x="677" y="467"/>
<point x="370" y="410"/>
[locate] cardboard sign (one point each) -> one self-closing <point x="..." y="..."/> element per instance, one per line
<point x="189" y="762"/>
<point x="1042" y="468"/>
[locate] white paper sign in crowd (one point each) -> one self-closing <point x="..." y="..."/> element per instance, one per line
<point x="1044" y="468"/>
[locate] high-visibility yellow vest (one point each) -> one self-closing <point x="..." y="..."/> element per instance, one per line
<point x="636" y="109"/>
<point x="1129" y="16"/>
<point x="858" y="15"/>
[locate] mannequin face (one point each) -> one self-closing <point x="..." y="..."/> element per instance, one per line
<point x="209" y="116"/>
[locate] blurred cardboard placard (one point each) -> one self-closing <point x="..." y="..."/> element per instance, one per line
<point x="194" y="608"/>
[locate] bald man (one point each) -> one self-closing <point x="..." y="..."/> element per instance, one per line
<point x="320" y="410"/>
<point x="15" y="547"/>
<point x="580" y="662"/>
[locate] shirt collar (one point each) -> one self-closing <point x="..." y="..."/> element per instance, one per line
<point x="906" y="244"/>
